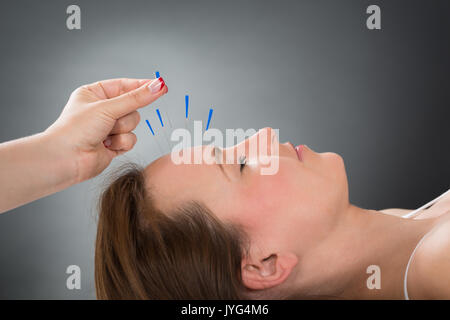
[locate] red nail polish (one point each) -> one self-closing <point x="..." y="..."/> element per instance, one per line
<point x="156" y="85"/>
<point x="162" y="83"/>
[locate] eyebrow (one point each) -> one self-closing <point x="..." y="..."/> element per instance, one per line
<point x="216" y="153"/>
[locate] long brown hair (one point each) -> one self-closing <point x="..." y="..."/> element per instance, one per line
<point x="142" y="253"/>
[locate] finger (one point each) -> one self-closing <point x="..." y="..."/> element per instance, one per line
<point x="121" y="142"/>
<point x="130" y="101"/>
<point x="107" y="89"/>
<point x="126" y="123"/>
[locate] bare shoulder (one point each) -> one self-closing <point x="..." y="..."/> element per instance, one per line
<point x="429" y="274"/>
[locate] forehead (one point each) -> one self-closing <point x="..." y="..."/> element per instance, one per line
<point x="172" y="184"/>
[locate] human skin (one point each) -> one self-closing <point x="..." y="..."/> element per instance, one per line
<point x="305" y="236"/>
<point x="94" y="127"/>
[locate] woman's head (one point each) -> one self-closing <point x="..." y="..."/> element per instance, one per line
<point x="143" y="253"/>
<point x="282" y="217"/>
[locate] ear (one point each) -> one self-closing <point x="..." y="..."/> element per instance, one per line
<point x="269" y="271"/>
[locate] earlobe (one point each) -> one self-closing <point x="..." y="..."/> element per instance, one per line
<point x="268" y="272"/>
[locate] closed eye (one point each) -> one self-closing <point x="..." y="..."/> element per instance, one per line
<point x="242" y="162"/>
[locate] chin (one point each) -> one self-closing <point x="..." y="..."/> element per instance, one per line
<point x="336" y="167"/>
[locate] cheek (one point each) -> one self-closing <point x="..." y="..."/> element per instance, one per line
<point x="255" y="203"/>
<point x="265" y="199"/>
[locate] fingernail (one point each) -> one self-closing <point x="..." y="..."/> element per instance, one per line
<point x="107" y="142"/>
<point x="156" y="85"/>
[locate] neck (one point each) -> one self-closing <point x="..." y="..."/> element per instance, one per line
<point x="337" y="266"/>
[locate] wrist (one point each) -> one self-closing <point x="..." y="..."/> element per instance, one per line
<point x="62" y="156"/>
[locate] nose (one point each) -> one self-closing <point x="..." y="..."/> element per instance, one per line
<point x="266" y="140"/>
<point x="289" y="145"/>
<point x="262" y="143"/>
<point x="269" y="136"/>
<point x="269" y="133"/>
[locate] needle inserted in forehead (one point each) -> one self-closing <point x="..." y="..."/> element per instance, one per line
<point x="153" y="133"/>
<point x="186" y="102"/>
<point x="209" y="118"/>
<point x="166" y="115"/>
<point x="151" y="129"/>
<point x="163" y="130"/>
<point x="186" y="112"/>
<point x="160" y="119"/>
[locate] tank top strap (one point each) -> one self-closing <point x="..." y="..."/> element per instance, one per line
<point x="413" y="213"/>
<point x="405" y="278"/>
<point x="409" y="215"/>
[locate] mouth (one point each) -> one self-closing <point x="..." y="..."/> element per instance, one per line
<point x="298" y="150"/>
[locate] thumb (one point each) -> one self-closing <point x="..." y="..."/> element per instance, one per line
<point x="128" y="102"/>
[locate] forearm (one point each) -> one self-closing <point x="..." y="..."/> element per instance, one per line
<point x="95" y="126"/>
<point x="34" y="167"/>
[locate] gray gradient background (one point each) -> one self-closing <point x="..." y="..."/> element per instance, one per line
<point x="310" y="68"/>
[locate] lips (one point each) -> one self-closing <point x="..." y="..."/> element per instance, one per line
<point x="299" y="150"/>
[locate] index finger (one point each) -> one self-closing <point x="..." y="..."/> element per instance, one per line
<point x="120" y="106"/>
<point x="111" y="88"/>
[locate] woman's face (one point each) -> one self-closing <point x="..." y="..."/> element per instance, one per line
<point x="291" y="210"/>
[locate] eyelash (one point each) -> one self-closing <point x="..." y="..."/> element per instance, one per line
<point x="242" y="162"/>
